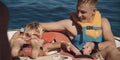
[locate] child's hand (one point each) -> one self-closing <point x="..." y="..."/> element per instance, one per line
<point x="87" y="48"/>
<point x="75" y="50"/>
<point x="71" y="47"/>
<point x="65" y="45"/>
<point x="47" y="47"/>
<point x="51" y="46"/>
<point x="41" y="53"/>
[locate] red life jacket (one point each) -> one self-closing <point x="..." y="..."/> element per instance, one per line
<point x="27" y="49"/>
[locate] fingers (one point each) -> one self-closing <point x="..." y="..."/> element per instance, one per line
<point x="68" y="48"/>
<point x="86" y="51"/>
<point x="75" y="50"/>
<point x="71" y="47"/>
<point x="89" y="45"/>
<point x="66" y="45"/>
<point x="87" y="48"/>
<point x="86" y="45"/>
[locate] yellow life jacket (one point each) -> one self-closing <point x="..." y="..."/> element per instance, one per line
<point x="92" y="28"/>
<point x="91" y="31"/>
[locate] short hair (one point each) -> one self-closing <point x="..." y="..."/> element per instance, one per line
<point x="34" y="26"/>
<point x="91" y="2"/>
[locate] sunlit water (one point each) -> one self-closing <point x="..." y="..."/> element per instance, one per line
<point x="25" y="11"/>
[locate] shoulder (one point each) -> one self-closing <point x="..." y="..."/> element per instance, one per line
<point x="106" y="27"/>
<point x="105" y="22"/>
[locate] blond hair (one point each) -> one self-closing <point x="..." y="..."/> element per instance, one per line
<point x="90" y="2"/>
<point x="34" y="26"/>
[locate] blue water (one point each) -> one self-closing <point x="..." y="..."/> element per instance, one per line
<point x="25" y="11"/>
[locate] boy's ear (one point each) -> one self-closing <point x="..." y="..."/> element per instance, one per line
<point x="94" y="10"/>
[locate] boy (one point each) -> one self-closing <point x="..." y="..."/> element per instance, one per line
<point x="87" y="29"/>
<point x="30" y="37"/>
<point x="35" y="42"/>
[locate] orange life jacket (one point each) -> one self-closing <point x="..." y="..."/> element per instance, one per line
<point x="27" y="49"/>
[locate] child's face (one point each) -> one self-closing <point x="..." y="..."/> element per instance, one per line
<point x="31" y="34"/>
<point x="85" y="12"/>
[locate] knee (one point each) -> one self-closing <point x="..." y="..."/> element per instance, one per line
<point x="110" y="48"/>
<point x="113" y="53"/>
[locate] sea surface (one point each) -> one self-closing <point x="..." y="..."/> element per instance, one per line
<point x="26" y="11"/>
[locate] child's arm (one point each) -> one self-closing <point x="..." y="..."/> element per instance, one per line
<point x="51" y="46"/>
<point x="67" y="46"/>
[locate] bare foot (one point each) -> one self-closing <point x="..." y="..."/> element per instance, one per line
<point x="36" y="48"/>
<point x="16" y="46"/>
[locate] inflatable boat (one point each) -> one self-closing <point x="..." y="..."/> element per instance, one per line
<point x="57" y="56"/>
<point x="11" y="32"/>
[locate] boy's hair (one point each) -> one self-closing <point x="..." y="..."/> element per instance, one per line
<point x="34" y="26"/>
<point x="91" y="2"/>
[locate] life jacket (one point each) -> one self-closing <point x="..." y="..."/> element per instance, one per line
<point x="48" y="37"/>
<point x="91" y="32"/>
<point x="54" y="36"/>
<point x="27" y="48"/>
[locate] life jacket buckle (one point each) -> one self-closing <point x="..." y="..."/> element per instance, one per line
<point x="89" y="27"/>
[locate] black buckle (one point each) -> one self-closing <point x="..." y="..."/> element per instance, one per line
<point x="89" y="27"/>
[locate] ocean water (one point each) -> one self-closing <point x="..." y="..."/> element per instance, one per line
<point x="25" y="11"/>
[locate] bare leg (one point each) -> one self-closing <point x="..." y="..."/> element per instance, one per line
<point x="36" y="48"/>
<point x="16" y="47"/>
<point x="111" y="53"/>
